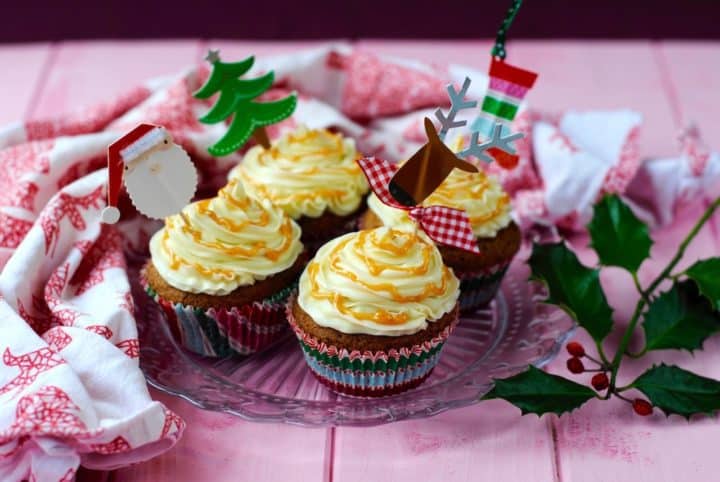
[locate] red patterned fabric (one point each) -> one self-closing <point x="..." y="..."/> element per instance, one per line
<point x="378" y="88"/>
<point x="444" y="225"/>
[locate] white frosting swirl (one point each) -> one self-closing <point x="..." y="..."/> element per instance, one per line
<point x="382" y="281"/>
<point x="479" y="195"/>
<point x="231" y="241"/>
<point x="305" y="172"/>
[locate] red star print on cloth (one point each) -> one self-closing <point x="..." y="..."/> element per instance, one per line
<point x="174" y="111"/>
<point x="619" y="176"/>
<point x="104" y="254"/>
<point x="31" y="159"/>
<point x="127" y="302"/>
<point x="564" y="141"/>
<point x="116" y="446"/>
<point x="80" y="169"/>
<point x="66" y="205"/>
<point x="14" y="230"/>
<point x="56" y="285"/>
<point x="57" y="338"/>
<point x="131" y="347"/>
<point x="377" y="88"/>
<point x="31" y="365"/>
<point x="101" y="330"/>
<point x="88" y="120"/>
<point x="49" y="411"/>
<point x="41" y="319"/>
<point x="171" y="420"/>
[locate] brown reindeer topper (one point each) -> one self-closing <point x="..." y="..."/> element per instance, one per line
<point x="426" y="170"/>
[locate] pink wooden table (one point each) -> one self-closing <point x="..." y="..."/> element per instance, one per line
<point x="670" y="83"/>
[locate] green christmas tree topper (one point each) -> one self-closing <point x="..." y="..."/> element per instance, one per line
<point x="237" y="99"/>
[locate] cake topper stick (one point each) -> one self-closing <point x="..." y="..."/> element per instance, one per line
<point x="237" y="100"/>
<point x="158" y="174"/>
<point x="426" y="170"/>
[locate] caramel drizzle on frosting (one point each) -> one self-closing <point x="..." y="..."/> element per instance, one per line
<point x="202" y="208"/>
<point x="375" y="267"/>
<point x="472" y="186"/>
<point x="334" y="151"/>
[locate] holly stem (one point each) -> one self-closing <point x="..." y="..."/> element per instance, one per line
<point x="645" y="294"/>
<point x="601" y="352"/>
<point x="636" y="280"/>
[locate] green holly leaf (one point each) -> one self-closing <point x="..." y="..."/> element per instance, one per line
<point x="617" y="235"/>
<point x="679" y="391"/>
<point x="573" y="287"/>
<point x="534" y="391"/>
<point x="706" y="274"/>
<point x="680" y="318"/>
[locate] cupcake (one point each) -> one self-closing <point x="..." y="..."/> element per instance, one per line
<point x="222" y="270"/>
<point x="373" y="311"/>
<point x="489" y="210"/>
<point x="311" y="174"/>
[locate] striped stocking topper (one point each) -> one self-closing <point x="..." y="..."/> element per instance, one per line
<point x="507" y="88"/>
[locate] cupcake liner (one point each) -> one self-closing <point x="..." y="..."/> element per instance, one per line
<point x="219" y="332"/>
<point x="477" y="289"/>
<point x="369" y="374"/>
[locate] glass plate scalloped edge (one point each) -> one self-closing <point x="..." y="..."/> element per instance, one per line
<point x="527" y="331"/>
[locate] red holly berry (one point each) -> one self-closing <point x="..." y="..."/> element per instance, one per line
<point x="575" y="349"/>
<point x="642" y="407"/>
<point x="575" y="365"/>
<point x="600" y="381"/>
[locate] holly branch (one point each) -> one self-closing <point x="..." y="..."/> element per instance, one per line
<point x="682" y="318"/>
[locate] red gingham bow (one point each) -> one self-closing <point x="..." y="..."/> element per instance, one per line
<point x="443" y="224"/>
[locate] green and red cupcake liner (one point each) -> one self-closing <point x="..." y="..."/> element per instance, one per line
<point x="478" y="288"/>
<point x="221" y="332"/>
<point x="369" y="373"/>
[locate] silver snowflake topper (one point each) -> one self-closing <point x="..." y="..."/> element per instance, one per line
<point x="497" y="140"/>
<point x="457" y="103"/>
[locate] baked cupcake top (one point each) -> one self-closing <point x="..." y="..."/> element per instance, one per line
<point x="232" y="240"/>
<point x="478" y="194"/>
<point x="382" y="281"/>
<point x="305" y="172"/>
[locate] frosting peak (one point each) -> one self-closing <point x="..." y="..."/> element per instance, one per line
<point x="229" y="241"/>
<point x="305" y="172"/>
<point x="383" y="281"/>
<point x="481" y="196"/>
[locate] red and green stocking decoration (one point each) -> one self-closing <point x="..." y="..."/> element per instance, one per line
<point x="236" y="99"/>
<point x="507" y="88"/>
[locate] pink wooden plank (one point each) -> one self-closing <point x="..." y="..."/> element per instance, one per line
<point x="601" y="75"/>
<point x="473" y="53"/>
<point x="238" y="48"/>
<point x="486" y="442"/>
<point x="22" y="77"/>
<point x="86" y="73"/>
<point x="693" y="72"/>
<point x="606" y="440"/>
<point x="224" y="448"/>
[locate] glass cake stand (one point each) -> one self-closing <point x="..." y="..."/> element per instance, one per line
<point x="276" y="385"/>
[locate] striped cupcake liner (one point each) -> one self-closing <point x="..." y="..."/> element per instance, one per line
<point x="477" y="289"/>
<point x="369" y="374"/>
<point x="216" y="332"/>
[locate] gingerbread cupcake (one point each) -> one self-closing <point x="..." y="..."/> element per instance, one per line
<point x="373" y="311"/>
<point x="489" y="210"/>
<point x="222" y="270"/>
<point x="312" y="175"/>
